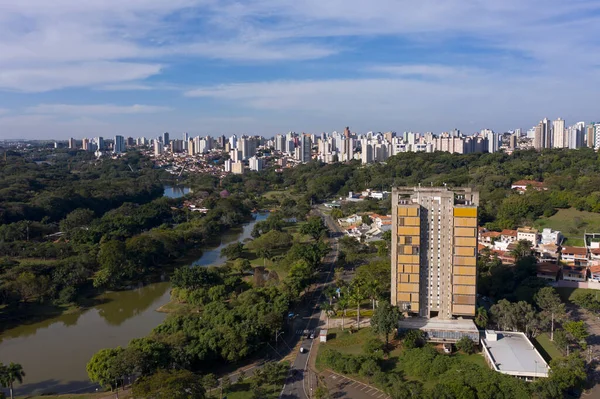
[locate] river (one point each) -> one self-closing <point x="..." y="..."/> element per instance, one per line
<point x="54" y="352"/>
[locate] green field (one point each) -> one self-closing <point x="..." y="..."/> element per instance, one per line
<point x="546" y="347"/>
<point x="572" y="223"/>
<point x="567" y="293"/>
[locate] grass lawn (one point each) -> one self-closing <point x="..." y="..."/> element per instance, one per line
<point x="546" y="347"/>
<point x="572" y="223"/>
<point x="566" y="293"/>
<point x="275" y="194"/>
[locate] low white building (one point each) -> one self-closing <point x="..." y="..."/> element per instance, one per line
<point x="512" y="353"/>
<point x="527" y="234"/>
<point x="550" y="236"/>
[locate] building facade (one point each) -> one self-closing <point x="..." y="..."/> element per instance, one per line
<point x="434" y="251"/>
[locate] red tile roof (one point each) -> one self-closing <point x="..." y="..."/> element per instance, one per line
<point x="512" y="233"/>
<point x="492" y="234"/>
<point x="547" y="267"/>
<point x="526" y="183"/>
<point x="595" y="269"/>
<point x="574" y="250"/>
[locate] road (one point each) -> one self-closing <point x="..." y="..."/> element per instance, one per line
<point x="298" y="384"/>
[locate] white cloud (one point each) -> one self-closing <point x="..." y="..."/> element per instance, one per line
<point x="39" y="78"/>
<point x="95" y="109"/>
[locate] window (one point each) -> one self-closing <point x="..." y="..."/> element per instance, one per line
<point x="408" y="240"/>
<point x="400" y="221"/>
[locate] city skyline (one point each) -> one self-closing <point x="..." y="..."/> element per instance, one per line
<point x="77" y="69"/>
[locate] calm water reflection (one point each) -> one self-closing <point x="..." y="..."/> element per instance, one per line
<point x="176" y="191"/>
<point x="54" y="352"/>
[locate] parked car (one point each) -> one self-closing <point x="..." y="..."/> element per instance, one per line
<point x="302" y="350"/>
<point x="312" y="335"/>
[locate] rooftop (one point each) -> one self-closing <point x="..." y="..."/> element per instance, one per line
<point x="435" y="323"/>
<point x="547" y="267"/>
<point x="506" y="232"/>
<point x="512" y="353"/>
<point x="528" y="183"/>
<point x="575" y="250"/>
<point x="527" y="230"/>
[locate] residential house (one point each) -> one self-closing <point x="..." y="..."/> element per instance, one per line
<point x="595" y="254"/>
<point x="575" y="255"/>
<point x="350" y="220"/>
<point x="548" y="271"/>
<point x="382" y="222"/>
<point x="550" y="236"/>
<point x="574" y="273"/>
<point x="488" y="238"/>
<point x="548" y="251"/>
<point x="595" y="273"/>
<point x="527" y="234"/>
<point x="521" y="185"/>
<point x="506" y="237"/>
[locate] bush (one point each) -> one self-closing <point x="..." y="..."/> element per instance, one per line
<point x="466" y="345"/>
<point x="413" y="339"/>
<point x="373" y="346"/>
<point x="369" y="368"/>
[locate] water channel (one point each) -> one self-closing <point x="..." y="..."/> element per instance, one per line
<point x="54" y="352"/>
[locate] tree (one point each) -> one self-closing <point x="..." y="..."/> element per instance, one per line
<point x="385" y="320"/>
<point x="568" y="372"/>
<point x="366" y="220"/>
<point x="242" y="265"/>
<point x="314" y="227"/>
<point x="413" y="339"/>
<point x="10" y="374"/>
<point x="209" y="381"/>
<point x="481" y="318"/>
<point x="233" y="251"/>
<point x="466" y="345"/>
<point x="101" y="367"/>
<point x="329" y="310"/>
<point x="356" y="297"/>
<point x="548" y="300"/>
<point x="577" y="332"/>
<point x="522" y="250"/>
<point x="322" y="392"/>
<point x="172" y="384"/>
<point x="342" y="305"/>
<point x="373" y="346"/>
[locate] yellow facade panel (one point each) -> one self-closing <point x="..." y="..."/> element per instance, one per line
<point x="402" y="211"/>
<point x="415" y="269"/>
<point x="464" y="280"/>
<point x="408" y="259"/>
<point x="412" y="221"/>
<point x="464" y="299"/>
<point x="414" y="278"/>
<point x="414" y="211"/>
<point x="408" y="231"/>
<point x="465" y="270"/>
<point x="407" y="287"/>
<point x="465" y="261"/>
<point x="404" y="278"/>
<point x="464" y="289"/>
<point x="414" y="298"/>
<point x="465" y="242"/>
<point x="464" y="232"/>
<point x="465" y="212"/>
<point x="414" y="307"/>
<point x="464" y="251"/>
<point x="465" y="222"/>
<point x="403" y="297"/>
<point x="468" y="310"/>
<point x="416" y="240"/>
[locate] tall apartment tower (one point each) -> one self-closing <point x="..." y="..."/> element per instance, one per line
<point x="542" y="137"/>
<point x="559" y="139"/>
<point x="434" y="251"/>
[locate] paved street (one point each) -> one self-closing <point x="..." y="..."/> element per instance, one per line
<point x="344" y="387"/>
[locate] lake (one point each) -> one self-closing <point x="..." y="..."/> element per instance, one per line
<point x="54" y="352"/>
<point x="176" y="191"/>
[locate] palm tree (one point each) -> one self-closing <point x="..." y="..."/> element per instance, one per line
<point x="328" y="308"/>
<point x="356" y="297"/>
<point x="330" y="293"/>
<point x="11" y="374"/>
<point x="342" y="306"/>
<point x="372" y="291"/>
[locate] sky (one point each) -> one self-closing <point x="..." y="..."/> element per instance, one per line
<point x="74" y="68"/>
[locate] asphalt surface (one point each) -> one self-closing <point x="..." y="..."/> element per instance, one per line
<point x="298" y="384"/>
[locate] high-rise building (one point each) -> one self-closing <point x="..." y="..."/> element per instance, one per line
<point x="72" y="144"/>
<point x="542" y="138"/>
<point x="85" y="144"/>
<point x="158" y="147"/>
<point x="99" y="143"/>
<point x="347" y="132"/>
<point x="597" y="135"/>
<point x="165" y="139"/>
<point x="559" y="139"/>
<point x="434" y="251"/>
<point x="589" y="136"/>
<point x="237" y="168"/>
<point x="305" y="149"/>
<point x="493" y="142"/>
<point x="255" y="163"/>
<point x="366" y="152"/>
<point x="119" y="146"/>
<point x="176" y="146"/>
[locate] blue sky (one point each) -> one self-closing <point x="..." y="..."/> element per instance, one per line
<point x="141" y="67"/>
